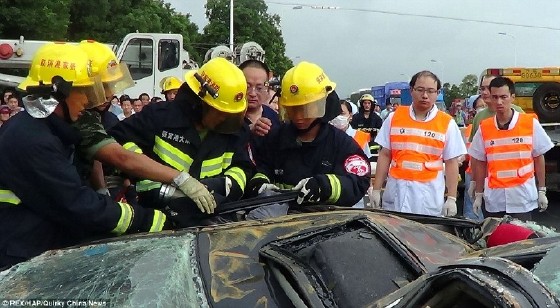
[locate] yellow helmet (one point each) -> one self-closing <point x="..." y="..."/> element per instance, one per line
<point x="114" y="75"/>
<point x="367" y="97"/>
<point x="220" y="84"/>
<point x="69" y="62"/>
<point x="170" y="83"/>
<point x="306" y="84"/>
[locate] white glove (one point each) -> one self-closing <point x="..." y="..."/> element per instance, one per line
<point x="477" y="204"/>
<point x="104" y="191"/>
<point x="196" y="191"/>
<point x="374" y="198"/>
<point x="543" y="200"/>
<point x="228" y="185"/>
<point x="450" y="206"/>
<point x="309" y="191"/>
<point x="470" y="191"/>
<point x="266" y="187"/>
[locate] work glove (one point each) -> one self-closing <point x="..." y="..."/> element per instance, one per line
<point x="228" y="184"/>
<point x="470" y="191"/>
<point x="450" y="206"/>
<point x="374" y="198"/>
<point x="104" y="191"/>
<point x="195" y="190"/>
<point x="257" y="186"/>
<point x="309" y="191"/>
<point x="477" y="204"/>
<point x="543" y="200"/>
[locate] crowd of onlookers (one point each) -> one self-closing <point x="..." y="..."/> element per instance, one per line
<point x="11" y="104"/>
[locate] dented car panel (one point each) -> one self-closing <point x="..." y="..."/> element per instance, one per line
<point x="230" y="258"/>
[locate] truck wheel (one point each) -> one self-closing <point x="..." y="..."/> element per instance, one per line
<point x="546" y="102"/>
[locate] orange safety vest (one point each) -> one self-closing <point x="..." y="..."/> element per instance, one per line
<point x="468" y="144"/>
<point x="416" y="147"/>
<point x="508" y="152"/>
<point x="362" y="138"/>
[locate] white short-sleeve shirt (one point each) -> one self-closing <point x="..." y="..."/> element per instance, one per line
<point x="520" y="199"/>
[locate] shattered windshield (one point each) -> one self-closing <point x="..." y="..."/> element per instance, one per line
<point x="548" y="272"/>
<point x="138" y="272"/>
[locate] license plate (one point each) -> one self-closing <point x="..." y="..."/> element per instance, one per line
<point x="530" y="73"/>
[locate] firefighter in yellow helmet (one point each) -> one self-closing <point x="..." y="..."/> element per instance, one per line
<point x="44" y="204"/>
<point x="97" y="145"/>
<point x="201" y="134"/>
<point x="307" y="154"/>
<point x="169" y="87"/>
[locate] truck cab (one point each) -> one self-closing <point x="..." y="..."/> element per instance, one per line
<point x="150" y="57"/>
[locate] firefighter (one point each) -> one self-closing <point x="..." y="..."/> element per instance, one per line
<point x="169" y="87"/>
<point x="201" y="134"/>
<point x="42" y="200"/>
<point x="97" y="144"/>
<point x="307" y="154"/>
<point x="416" y="140"/>
<point x="367" y="120"/>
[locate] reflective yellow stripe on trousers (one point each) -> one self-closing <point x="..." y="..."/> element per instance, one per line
<point x="8" y="196"/>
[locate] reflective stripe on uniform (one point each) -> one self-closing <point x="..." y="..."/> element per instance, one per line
<point x="238" y="176"/>
<point x="261" y="176"/>
<point x="214" y="166"/>
<point x="158" y="222"/>
<point x="509" y="155"/>
<point x="8" y="196"/>
<point x="228" y="156"/>
<point x="509" y="141"/>
<point x="411" y="165"/>
<point x="146" y="185"/>
<point x="171" y="155"/>
<point x="418" y="132"/>
<point x="416" y="147"/>
<point x="132" y="147"/>
<point x="336" y="188"/>
<point x="127" y="214"/>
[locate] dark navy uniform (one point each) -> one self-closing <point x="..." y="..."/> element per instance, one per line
<point x="333" y="158"/>
<point x="166" y="133"/>
<point x="370" y="125"/>
<point x="43" y="204"/>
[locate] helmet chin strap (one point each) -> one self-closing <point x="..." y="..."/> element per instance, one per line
<point x="306" y="130"/>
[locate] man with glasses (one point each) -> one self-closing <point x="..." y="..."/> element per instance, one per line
<point x="259" y="116"/>
<point x="486" y="113"/>
<point x="416" y="141"/>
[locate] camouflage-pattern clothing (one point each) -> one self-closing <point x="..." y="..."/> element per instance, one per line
<point x="94" y="136"/>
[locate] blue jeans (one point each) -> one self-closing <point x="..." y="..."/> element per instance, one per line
<point x="468" y="202"/>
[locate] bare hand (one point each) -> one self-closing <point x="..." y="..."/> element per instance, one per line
<point x="261" y="127"/>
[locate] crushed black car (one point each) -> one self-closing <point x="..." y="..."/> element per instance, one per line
<point x="328" y="258"/>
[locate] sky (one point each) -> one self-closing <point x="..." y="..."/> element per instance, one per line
<point x="365" y="43"/>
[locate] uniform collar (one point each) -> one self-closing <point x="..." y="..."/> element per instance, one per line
<point x="289" y="138"/>
<point x="66" y="132"/>
<point x="512" y="123"/>
<point x="430" y="116"/>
